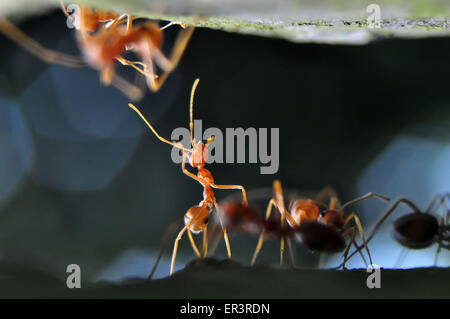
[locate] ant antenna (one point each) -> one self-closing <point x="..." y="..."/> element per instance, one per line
<point x="177" y="145"/>
<point x="191" y="110"/>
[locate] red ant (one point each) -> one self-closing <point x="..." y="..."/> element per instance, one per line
<point x="418" y="229"/>
<point x="102" y="49"/>
<point x="324" y="231"/>
<point x="197" y="217"/>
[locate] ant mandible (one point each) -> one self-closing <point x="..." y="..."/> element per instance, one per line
<point x="196" y="218"/>
<point x="324" y="231"/>
<point x="417" y="229"/>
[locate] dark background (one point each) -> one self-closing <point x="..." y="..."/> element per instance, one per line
<point x="83" y="181"/>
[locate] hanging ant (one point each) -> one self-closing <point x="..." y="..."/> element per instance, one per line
<point x="324" y="231"/>
<point x="197" y="217"/>
<point x="102" y="47"/>
<point x="417" y="229"/>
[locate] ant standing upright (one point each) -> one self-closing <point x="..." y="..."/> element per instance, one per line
<point x="197" y="217"/>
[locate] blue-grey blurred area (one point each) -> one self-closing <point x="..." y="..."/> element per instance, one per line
<point x="82" y="179"/>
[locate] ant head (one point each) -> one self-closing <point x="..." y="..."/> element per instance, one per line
<point x="333" y="218"/>
<point x="304" y="210"/>
<point x="416" y="230"/>
<point x="199" y="154"/>
<point x="200" y="214"/>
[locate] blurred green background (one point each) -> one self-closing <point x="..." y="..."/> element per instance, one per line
<point x="83" y="181"/>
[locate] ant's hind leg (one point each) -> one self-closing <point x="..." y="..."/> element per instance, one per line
<point x="244" y="194"/>
<point x="329" y="192"/>
<point x="224" y="230"/>
<point x="175" y="248"/>
<point x="194" y="246"/>
<point x="361" y="231"/>
<point x="364" y="197"/>
<point x="349" y="231"/>
<point x="168" y="65"/>
<point x="392" y="208"/>
<point x="261" y="236"/>
<point x="32" y="46"/>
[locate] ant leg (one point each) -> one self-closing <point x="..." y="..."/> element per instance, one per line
<point x="180" y="234"/>
<point x="364" y="197"/>
<point x="384" y="216"/>
<point x="329" y="192"/>
<point x="175" y="248"/>
<point x="361" y="231"/>
<point x="134" y="64"/>
<point x="33" y="47"/>
<point x="168" y="65"/>
<point x="132" y="91"/>
<point x="194" y="246"/>
<point x="244" y="194"/>
<point x="224" y="230"/>
<point x="205" y="242"/>
<point x="215" y="243"/>
<point x="401" y="258"/>
<point x="261" y="236"/>
<point x="291" y="253"/>
<point x="164" y="245"/>
<point x="352" y="231"/>
<point x="171" y="24"/>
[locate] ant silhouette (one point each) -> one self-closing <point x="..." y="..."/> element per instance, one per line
<point x="417" y="229"/>
<point x="197" y="217"/>
<point x="319" y="231"/>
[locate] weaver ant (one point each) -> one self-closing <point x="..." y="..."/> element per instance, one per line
<point x="102" y="47"/>
<point x="197" y="217"/>
<point x="319" y="231"/>
<point x="417" y="229"/>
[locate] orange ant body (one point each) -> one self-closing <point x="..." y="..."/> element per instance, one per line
<point x="102" y="47"/>
<point x="197" y="217"/>
<point x="324" y="231"/>
<point x="418" y="229"/>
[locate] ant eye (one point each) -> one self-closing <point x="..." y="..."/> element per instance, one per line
<point x="322" y="214"/>
<point x="206" y="221"/>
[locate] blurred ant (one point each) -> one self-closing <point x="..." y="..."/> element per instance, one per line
<point x="197" y="217"/>
<point x="103" y="46"/>
<point x="418" y="229"/>
<point x="324" y="231"/>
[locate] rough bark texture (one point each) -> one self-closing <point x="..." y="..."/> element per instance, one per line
<point x="226" y="279"/>
<point x="330" y="21"/>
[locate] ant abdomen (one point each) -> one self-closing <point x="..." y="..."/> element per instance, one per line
<point x="197" y="217"/>
<point x="242" y="217"/>
<point x="416" y="230"/>
<point x="317" y="236"/>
